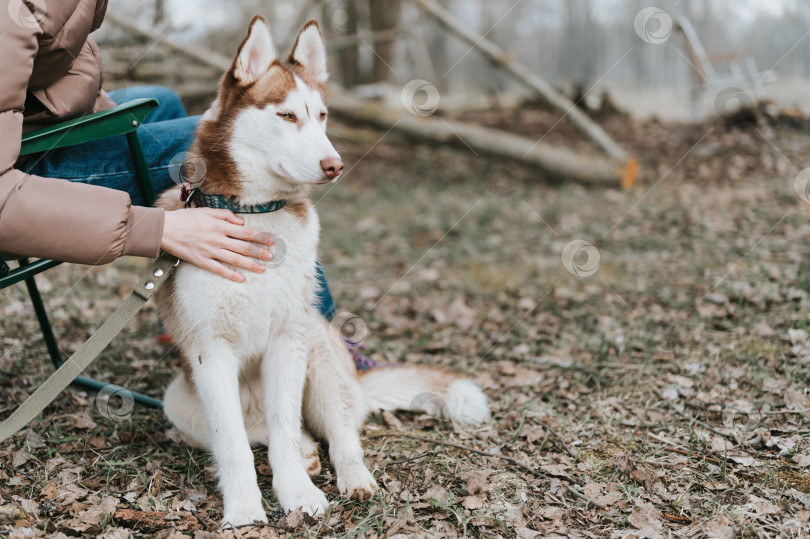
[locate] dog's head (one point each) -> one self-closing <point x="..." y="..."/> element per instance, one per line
<point x="270" y="116"/>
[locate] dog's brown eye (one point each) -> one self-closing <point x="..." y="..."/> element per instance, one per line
<point x="323" y="116"/>
<point x="289" y="116"/>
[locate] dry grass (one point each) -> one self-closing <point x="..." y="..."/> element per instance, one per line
<point x="665" y="394"/>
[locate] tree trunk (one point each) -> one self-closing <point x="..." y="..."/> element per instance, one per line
<point x="559" y="162"/>
<point x="349" y="56"/>
<point x="384" y="17"/>
<point x="159" y="16"/>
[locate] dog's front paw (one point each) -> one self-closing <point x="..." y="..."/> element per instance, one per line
<point x="356" y="482"/>
<point x="308" y="497"/>
<point x="242" y="516"/>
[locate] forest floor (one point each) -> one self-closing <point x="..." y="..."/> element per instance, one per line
<point x="665" y="394"/>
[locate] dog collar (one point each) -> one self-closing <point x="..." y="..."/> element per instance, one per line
<point x="202" y="200"/>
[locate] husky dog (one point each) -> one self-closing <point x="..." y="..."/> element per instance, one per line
<point x="259" y="365"/>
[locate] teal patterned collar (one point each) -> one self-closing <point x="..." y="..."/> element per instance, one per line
<point x="201" y="200"/>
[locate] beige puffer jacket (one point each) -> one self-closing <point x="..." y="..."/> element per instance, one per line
<point x="50" y="70"/>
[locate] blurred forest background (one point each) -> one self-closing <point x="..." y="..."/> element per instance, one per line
<point x="576" y="44"/>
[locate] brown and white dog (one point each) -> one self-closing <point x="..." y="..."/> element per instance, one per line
<point x="257" y="356"/>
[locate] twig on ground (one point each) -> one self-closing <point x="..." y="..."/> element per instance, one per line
<point x="664" y="440"/>
<point x="584" y="498"/>
<point x="260" y="525"/>
<point x="683" y="450"/>
<point x="5" y="494"/>
<point x="675" y="518"/>
<point x="508" y="459"/>
<point x="689" y="453"/>
<point x="417" y="457"/>
<point x="696" y="420"/>
<point x="565" y="447"/>
<point x="704" y="425"/>
<point x="206" y="525"/>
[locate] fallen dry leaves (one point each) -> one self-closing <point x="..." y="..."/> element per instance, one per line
<point x="665" y="396"/>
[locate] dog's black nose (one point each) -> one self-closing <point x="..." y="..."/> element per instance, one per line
<point x="332" y="167"/>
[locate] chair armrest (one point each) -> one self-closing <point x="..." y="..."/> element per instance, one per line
<point x="120" y="120"/>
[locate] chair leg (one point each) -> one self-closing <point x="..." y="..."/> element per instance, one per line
<point x="56" y="355"/>
<point x="140" y="398"/>
<point x="141" y="168"/>
<point x="42" y="318"/>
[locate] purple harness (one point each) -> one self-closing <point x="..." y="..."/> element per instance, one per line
<point x="363" y="363"/>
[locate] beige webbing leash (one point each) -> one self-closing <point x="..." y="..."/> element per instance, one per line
<point x="90" y="350"/>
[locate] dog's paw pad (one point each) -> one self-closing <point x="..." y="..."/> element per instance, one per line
<point x="356" y="483"/>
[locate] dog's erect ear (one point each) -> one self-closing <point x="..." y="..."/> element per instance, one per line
<point x="310" y="52"/>
<point x="256" y="53"/>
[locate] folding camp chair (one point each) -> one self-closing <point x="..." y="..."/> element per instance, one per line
<point x="122" y="120"/>
<point x="742" y="71"/>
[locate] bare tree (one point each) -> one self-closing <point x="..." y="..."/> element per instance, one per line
<point x="384" y="18"/>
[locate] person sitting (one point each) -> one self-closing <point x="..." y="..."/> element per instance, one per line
<point x="83" y="203"/>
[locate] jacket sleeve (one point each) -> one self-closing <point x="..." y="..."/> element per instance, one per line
<point x="52" y="218"/>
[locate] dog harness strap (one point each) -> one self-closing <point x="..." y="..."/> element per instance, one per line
<point x="200" y="199"/>
<point x="90" y="350"/>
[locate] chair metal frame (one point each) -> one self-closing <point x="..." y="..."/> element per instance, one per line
<point x="125" y="120"/>
<point x="742" y="68"/>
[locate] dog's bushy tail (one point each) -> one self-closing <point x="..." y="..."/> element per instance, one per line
<point x="432" y="390"/>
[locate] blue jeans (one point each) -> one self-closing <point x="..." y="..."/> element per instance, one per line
<point x="166" y="132"/>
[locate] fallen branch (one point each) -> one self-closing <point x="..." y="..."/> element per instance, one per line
<point x="560" y="162"/>
<point x="524" y="75"/>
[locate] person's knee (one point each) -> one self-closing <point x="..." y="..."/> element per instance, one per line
<point x="165" y="95"/>
<point x="171" y="106"/>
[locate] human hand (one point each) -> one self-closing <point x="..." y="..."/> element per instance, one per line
<point x="210" y="238"/>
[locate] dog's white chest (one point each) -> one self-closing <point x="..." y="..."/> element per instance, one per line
<point x="248" y="315"/>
